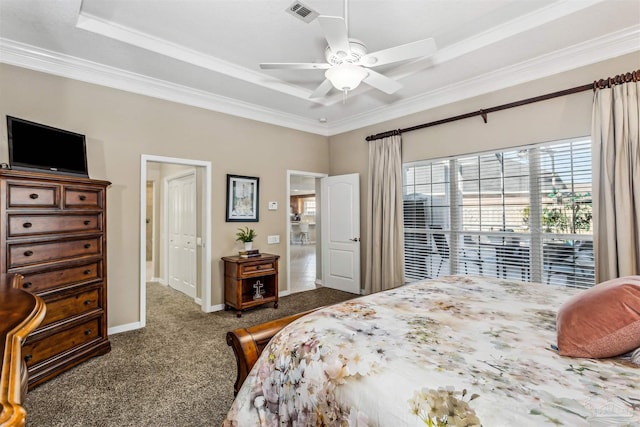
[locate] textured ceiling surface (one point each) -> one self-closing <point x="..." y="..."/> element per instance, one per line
<point x="207" y="53"/>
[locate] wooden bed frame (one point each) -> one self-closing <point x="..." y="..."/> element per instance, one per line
<point x="20" y="313"/>
<point x="248" y="343"/>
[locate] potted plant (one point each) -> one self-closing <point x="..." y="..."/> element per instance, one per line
<point x="246" y="235"/>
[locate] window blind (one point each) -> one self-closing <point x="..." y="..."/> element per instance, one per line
<point x="523" y="213"/>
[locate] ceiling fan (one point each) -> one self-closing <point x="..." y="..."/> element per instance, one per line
<point x="348" y="62"/>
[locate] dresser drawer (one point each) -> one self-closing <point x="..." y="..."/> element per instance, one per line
<point x="33" y="196"/>
<point x="79" y="197"/>
<point x="36" y="282"/>
<point x="20" y="225"/>
<point x="70" y="305"/>
<point x="24" y="254"/>
<point x="41" y="349"/>
<point x="261" y="268"/>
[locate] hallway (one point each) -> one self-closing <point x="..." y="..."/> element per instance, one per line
<point x="303" y="267"/>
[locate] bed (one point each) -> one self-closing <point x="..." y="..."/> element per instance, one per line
<point x="456" y="351"/>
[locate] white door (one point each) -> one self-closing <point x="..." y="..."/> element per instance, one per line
<point x="340" y="216"/>
<point x="182" y="234"/>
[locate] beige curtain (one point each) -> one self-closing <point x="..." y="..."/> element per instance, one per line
<point x="616" y="181"/>
<point x="385" y="238"/>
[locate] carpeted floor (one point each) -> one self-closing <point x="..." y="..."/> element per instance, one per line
<point x="178" y="371"/>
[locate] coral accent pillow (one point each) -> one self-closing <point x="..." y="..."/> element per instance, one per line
<point x="603" y="321"/>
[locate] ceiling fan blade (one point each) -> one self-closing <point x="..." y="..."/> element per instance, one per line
<point x="322" y="90"/>
<point x="295" y="66"/>
<point x="382" y="82"/>
<point x="403" y="52"/>
<point x="335" y="31"/>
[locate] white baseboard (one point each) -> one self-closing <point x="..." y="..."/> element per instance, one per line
<point x="217" y="307"/>
<point x="124" y="328"/>
<point x="137" y="325"/>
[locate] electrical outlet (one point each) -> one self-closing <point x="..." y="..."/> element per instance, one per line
<point x="273" y="239"/>
<point x="273" y="206"/>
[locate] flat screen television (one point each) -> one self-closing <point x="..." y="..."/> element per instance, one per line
<point x="41" y="148"/>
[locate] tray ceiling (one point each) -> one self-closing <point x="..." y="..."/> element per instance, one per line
<point x="207" y="53"/>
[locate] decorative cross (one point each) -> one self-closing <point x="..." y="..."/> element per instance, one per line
<point x="258" y="287"/>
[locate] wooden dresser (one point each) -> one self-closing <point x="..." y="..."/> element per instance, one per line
<point x="54" y="234"/>
<point x="20" y="313"/>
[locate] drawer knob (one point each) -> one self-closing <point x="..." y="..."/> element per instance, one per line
<point x="87" y="222"/>
<point x="87" y="245"/>
<point x="28" y="253"/>
<point x="33" y="196"/>
<point x="87" y="302"/>
<point x="27" y="285"/>
<point x="82" y="197"/>
<point x="28" y="357"/>
<point x="27" y="225"/>
<point x="87" y="331"/>
<point x="87" y="272"/>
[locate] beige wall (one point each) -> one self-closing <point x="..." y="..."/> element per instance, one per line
<point x="563" y="117"/>
<point x="121" y="126"/>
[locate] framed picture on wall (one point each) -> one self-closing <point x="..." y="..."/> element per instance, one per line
<point x="242" y="198"/>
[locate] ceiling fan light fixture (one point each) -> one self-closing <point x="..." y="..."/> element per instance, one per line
<point x="346" y="76"/>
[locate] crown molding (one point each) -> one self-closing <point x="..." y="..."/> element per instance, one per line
<point x="601" y="49"/>
<point x="613" y="45"/>
<point x="163" y="47"/>
<point x="491" y="36"/>
<point x="113" y="30"/>
<point x="46" y="61"/>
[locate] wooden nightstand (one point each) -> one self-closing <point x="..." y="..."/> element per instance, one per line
<point x="240" y="276"/>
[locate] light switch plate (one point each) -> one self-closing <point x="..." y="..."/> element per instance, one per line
<point x="273" y="239"/>
<point x="273" y="206"/>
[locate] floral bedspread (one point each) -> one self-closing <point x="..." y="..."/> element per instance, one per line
<point x="456" y="351"/>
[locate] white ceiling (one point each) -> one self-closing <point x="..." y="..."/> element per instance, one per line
<point x="302" y="184"/>
<point x="207" y="53"/>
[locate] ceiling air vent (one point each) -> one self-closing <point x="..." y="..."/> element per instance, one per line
<point x="302" y="12"/>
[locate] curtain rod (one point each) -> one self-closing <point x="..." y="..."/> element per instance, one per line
<point x="598" y="84"/>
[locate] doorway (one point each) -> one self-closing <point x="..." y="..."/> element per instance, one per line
<point x="303" y="231"/>
<point x="150" y="230"/>
<point x="158" y="170"/>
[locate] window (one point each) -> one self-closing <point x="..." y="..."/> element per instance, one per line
<point x="309" y="206"/>
<point x="523" y="214"/>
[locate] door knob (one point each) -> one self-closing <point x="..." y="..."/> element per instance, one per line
<point x="355" y="239"/>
